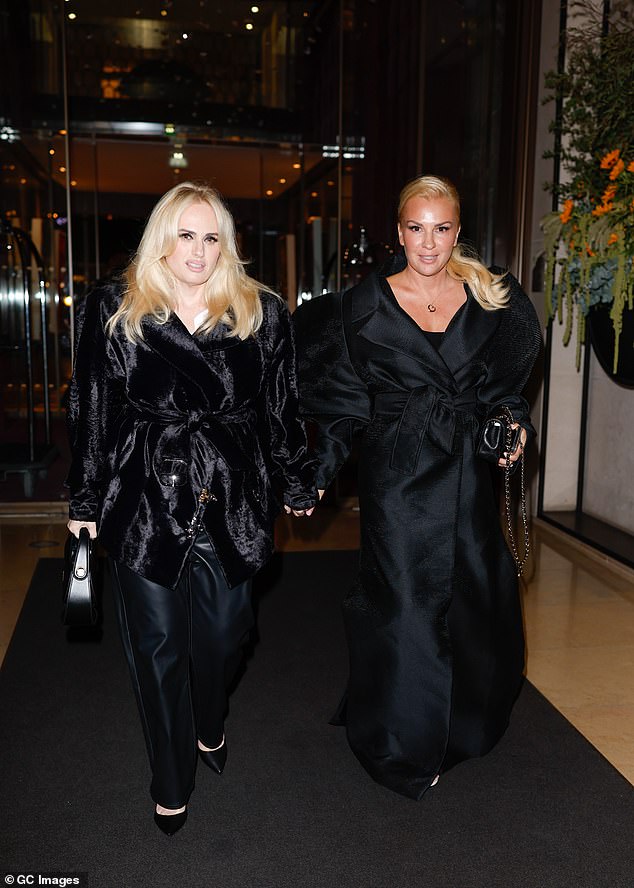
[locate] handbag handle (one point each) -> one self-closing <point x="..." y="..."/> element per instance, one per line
<point x="519" y="562"/>
<point x="80" y="568"/>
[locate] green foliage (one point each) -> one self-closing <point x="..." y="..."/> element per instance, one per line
<point x="589" y="242"/>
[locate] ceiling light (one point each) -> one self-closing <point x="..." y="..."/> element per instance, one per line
<point x="72" y="16"/>
<point x="9" y="134"/>
<point x="249" y="26"/>
<point x="297" y="166"/>
<point x="282" y="181"/>
<point x="178" y="161"/>
<point x="268" y="192"/>
<point x="255" y="9"/>
<point x="185" y="36"/>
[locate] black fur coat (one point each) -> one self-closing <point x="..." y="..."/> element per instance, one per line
<point x="155" y="422"/>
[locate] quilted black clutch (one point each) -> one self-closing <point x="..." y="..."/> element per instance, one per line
<point x="497" y="438"/>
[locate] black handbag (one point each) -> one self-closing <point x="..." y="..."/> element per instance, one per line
<point x="80" y="603"/>
<point x="499" y="440"/>
<point x="497" y="437"/>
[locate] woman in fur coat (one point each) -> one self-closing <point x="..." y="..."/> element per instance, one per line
<point x="185" y="437"/>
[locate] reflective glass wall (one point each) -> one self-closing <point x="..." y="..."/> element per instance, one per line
<point x="308" y="116"/>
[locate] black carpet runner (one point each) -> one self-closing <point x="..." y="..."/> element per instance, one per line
<point x="293" y="809"/>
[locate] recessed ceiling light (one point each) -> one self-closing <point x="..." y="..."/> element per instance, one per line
<point x="249" y="26"/>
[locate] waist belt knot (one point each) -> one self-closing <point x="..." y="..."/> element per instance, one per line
<point x="424" y="411"/>
<point x="222" y="431"/>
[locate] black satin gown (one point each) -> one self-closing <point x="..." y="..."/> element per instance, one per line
<point x="433" y="621"/>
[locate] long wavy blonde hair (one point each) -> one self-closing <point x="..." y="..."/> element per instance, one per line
<point x="488" y="289"/>
<point x="232" y="297"/>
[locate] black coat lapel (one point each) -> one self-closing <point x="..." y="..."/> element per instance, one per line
<point x="389" y="326"/>
<point x="186" y="353"/>
<point x="468" y="332"/>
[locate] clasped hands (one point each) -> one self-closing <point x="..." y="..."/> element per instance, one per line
<point x="303" y="513"/>
<point x="75" y="526"/>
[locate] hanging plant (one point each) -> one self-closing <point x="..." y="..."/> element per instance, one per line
<point x="589" y="240"/>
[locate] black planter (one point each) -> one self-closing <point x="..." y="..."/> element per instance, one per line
<point x="602" y="338"/>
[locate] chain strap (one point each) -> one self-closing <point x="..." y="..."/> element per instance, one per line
<point x="520" y="562"/>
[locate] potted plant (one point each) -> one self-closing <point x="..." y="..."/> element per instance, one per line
<point x="589" y="239"/>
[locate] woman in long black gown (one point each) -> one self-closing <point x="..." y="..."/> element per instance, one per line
<point x="416" y="359"/>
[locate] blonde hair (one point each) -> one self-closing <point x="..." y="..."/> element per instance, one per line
<point x="232" y="297"/>
<point x="488" y="289"/>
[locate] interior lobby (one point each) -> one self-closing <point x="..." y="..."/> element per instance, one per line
<point x="309" y="116"/>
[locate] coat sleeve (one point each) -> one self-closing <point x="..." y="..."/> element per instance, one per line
<point x="332" y="396"/>
<point x="95" y="400"/>
<point x="511" y="358"/>
<point x="287" y="447"/>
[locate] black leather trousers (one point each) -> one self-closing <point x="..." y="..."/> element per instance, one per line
<point x="183" y="648"/>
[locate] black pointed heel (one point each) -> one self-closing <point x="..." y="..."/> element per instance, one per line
<point x="215" y="759"/>
<point x="170" y="823"/>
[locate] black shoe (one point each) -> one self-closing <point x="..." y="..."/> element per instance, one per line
<point x="170" y="823"/>
<point x="215" y="759"/>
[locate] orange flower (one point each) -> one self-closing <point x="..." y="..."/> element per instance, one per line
<point x="610" y="159"/>
<point x="630" y="166"/>
<point x="602" y="208"/>
<point x="589" y="251"/>
<point x="617" y="169"/>
<point x="613" y="238"/>
<point x="609" y="193"/>
<point x="567" y="211"/>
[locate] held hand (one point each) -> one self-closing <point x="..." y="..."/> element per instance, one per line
<point x="76" y="526"/>
<point x="301" y="513"/>
<point x="516" y="453"/>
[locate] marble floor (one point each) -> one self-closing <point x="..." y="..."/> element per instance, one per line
<point x="578" y="607"/>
